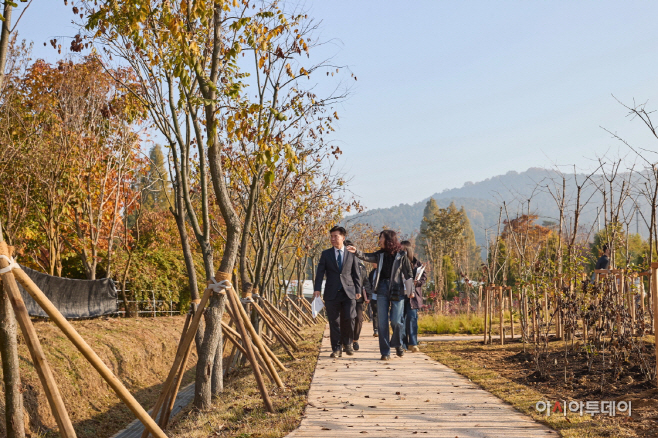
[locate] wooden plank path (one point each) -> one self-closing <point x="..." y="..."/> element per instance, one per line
<point x="409" y="396"/>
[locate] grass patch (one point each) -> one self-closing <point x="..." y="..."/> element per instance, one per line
<point x="239" y="412"/>
<point x="450" y="324"/>
<point x="458" y="356"/>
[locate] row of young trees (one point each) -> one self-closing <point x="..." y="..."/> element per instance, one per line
<point x="544" y="275"/>
<point x="244" y="187"/>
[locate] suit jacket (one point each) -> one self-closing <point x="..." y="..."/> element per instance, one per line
<point x="348" y="278"/>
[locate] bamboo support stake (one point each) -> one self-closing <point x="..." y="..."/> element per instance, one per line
<point x="88" y="353"/>
<point x="511" y="315"/>
<point x="239" y="322"/>
<point x="264" y="351"/>
<point x="234" y="337"/>
<point x="267" y="354"/>
<point x="169" y="405"/>
<point x="282" y="317"/>
<point x="654" y="296"/>
<point x="189" y="337"/>
<point x="501" y="312"/>
<point x="36" y="352"/>
<point x="277" y="328"/>
<point x="280" y="336"/>
<point x="486" y="312"/>
<point x="304" y="317"/>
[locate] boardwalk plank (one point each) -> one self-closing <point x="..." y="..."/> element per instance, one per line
<point x="409" y="396"/>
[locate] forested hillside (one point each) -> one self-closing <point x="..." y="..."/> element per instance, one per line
<point x="482" y="201"/>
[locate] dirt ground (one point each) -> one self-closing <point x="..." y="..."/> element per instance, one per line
<point x="579" y="384"/>
<point x="139" y="351"/>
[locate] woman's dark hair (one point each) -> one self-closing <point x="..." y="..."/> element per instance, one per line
<point x="391" y="244"/>
<point x="406" y="245"/>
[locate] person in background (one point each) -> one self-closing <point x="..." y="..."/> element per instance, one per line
<point x="361" y="300"/>
<point x="343" y="283"/>
<point x="373" y="301"/>
<point x="604" y="261"/>
<point x="414" y="301"/>
<point x="393" y="268"/>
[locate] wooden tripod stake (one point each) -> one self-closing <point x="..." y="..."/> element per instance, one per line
<point x="36" y="352"/>
<point x="88" y="353"/>
<point x="234" y="302"/>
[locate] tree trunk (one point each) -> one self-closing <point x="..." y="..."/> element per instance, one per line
<point x="209" y="369"/>
<point x="15" y="427"/>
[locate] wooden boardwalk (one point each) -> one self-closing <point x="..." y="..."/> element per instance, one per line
<point x="409" y="396"/>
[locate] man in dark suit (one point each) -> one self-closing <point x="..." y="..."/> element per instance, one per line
<point x="343" y="283"/>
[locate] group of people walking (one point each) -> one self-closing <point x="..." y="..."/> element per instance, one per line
<point x="392" y="290"/>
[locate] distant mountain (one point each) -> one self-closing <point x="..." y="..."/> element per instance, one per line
<point x="482" y="202"/>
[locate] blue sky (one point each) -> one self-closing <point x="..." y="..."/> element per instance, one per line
<point x="457" y="91"/>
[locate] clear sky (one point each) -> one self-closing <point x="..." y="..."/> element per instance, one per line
<point x="457" y="91"/>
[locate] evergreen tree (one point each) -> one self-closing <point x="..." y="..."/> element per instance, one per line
<point x="157" y="181"/>
<point x="474" y="259"/>
<point x="430" y="212"/>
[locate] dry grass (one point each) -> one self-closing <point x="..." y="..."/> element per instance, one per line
<point x="239" y="412"/>
<point x="522" y="397"/>
<point x="139" y="351"/>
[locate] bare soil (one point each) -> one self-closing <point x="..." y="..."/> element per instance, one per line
<point x="578" y="383"/>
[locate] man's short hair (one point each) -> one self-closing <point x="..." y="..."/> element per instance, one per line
<point x="340" y="229"/>
<point x="405" y="243"/>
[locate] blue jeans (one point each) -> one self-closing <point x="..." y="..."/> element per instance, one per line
<point x="410" y="337"/>
<point x="388" y="310"/>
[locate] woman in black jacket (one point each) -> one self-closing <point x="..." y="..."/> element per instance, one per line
<point x="393" y="268"/>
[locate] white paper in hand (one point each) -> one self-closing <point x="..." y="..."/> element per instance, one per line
<point x="316" y="306"/>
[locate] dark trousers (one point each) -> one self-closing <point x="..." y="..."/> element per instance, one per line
<point x="358" y="322"/>
<point x="341" y="312"/>
<point x="375" y="321"/>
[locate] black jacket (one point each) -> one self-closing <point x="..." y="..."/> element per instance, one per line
<point x="417" y="301"/>
<point x="400" y="271"/>
<point x="603" y="262"/>
<point x="365" y="282"/>
<point x="348" y="279"/>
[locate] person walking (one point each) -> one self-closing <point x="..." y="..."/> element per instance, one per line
<point x="414" y="300"/>
<point x="373" y="302"/>
<point x="393" y="268"/>
<point x="361" y="301"/>
<point x="343" y="282"/>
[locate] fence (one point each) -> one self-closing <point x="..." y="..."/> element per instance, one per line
<point x="152" y="306"/>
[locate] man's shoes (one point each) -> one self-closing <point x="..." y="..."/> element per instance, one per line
<point x="399" y="351"/>
<point x="348" y="350"/>
<point x="355" y="345"/>
<point x="375" y="333"/>
<point x="415" y="349"/>
<point x="335" y="354"/>
<point x="386" y="357"/>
